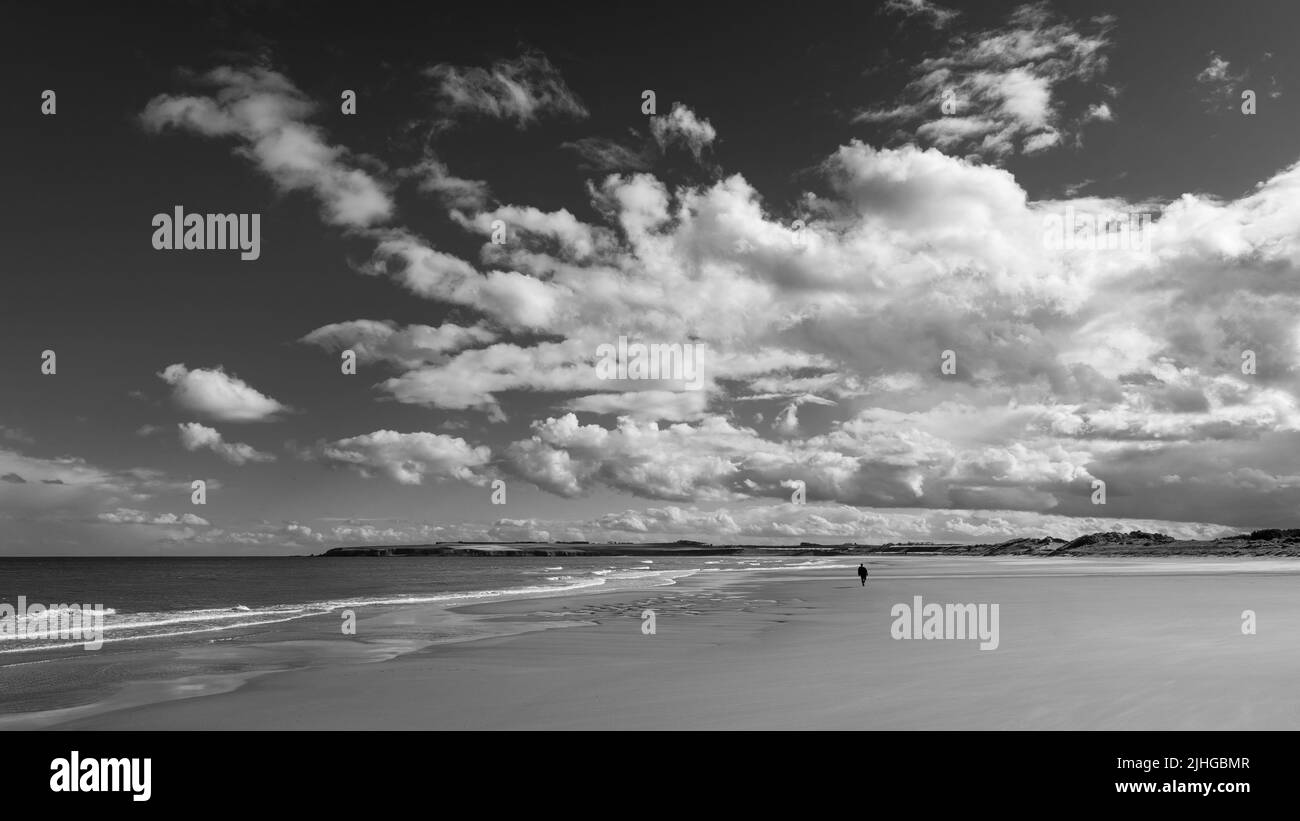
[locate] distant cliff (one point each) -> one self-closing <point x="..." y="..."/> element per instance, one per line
<point x="1133" y="543"/>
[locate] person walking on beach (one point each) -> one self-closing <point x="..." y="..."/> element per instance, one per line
<point x="862" y="574"/>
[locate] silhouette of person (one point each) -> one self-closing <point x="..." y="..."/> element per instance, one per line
<point x="862" y="574"/>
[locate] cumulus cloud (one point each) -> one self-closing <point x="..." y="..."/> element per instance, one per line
<point x="213" y="393"/>
<point x="1121" y="363"/>
<point x="914" y="252"/>
<point x="521" y="90"/>
<point x="408" y="458"/>
<point x="200" y="437"/>
<point x="681" y="127"/>
<point x="877" y="458"/>
<point x="267" y="113"/>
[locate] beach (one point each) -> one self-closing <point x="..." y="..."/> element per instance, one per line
<point x="1082" y="644"/>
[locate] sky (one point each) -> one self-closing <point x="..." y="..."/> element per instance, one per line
<point x="868" y="229"/>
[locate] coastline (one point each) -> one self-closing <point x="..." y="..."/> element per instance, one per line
<point x="1086" y="644"/>
<point x="1108" y="544"/>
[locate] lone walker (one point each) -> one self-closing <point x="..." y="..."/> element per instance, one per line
<point x="862" y="574"/>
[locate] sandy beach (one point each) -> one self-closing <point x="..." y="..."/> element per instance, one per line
<point x="1083" y="644"/>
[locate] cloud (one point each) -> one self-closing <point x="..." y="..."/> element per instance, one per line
<point x="195" y="437"/>
<point x="1221" y="86"/>
<point x="878" y="458"/>
<point x="266" y="113"/>
<point x="409" y="347"/>
<point x="995" y="93"/>
<point x="749" y="523"/>
<point x="69" y="489"/>
<point x="511" y="298"/>
<point x="522" y="90"/>
<point x="56" y="508"/>
<point x="408" y="458"/>
<point x="18" y="435"/>
<point x="681" y="127"/>
<point x="471" y="379"/>
<point x="575" y="238"/>
<point x="291" y="534"/>
<point x="1121" y="363"/>
<point x="604" y="154"/>
<point x="1216" y="73"/>
<point x="911" y="252"/>
<point x="217" y="395"/>
<point x="675" y="406"/>
<point x="926" y="10"/>
<point x="454" y="192"/>
<point x="123" y="515"/>
<point x="36" y="483"/>
<point x="834" y="524"/>
<point x="1099" y="111"/>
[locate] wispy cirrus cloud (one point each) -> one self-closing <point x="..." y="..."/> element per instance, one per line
<point x="605" y="154"/>
<point x="1222" y="86"/>
<point x="522" y="91"/>
<point x="680" y="128"/>
<point x="432" y="175"/>
<point x="996" y="93"/>
<point x="927" y="11"/>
